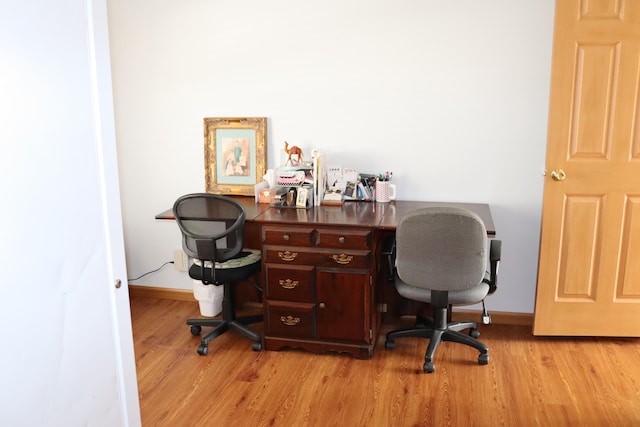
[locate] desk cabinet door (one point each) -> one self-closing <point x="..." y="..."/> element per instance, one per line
<point x="343" y="309"/>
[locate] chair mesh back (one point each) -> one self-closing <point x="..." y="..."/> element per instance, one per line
<point x="211" y="226"/>
<point x="441" y="248"/>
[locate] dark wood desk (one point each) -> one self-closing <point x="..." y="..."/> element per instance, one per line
<point x="324" y="277"/>
<point x="394" y="211"/>
<point x="252" y="209"/>
<point x="252" y="229"/>
<point x="384" y="216"/>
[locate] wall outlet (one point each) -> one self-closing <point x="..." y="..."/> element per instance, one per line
<point x="180" y="260"/>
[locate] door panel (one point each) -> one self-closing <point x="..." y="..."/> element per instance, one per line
<point x="628" y="286"/>
<point x="580" y="251"/>
<point x="587" y="281"/>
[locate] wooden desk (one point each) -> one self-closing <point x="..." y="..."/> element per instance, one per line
<point x="394" y="211"/>
<point x="384" y="216"/>
<point x="324" y="278"/>
<point x="252" y="209"/>
<point x="252" y="229"/>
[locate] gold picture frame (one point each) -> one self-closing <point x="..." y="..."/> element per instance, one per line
<point x="235" y="154"/>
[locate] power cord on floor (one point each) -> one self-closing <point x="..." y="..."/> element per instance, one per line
<point x="152" y="271"/>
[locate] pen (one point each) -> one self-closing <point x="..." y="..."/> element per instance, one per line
<point x="385" y="176"/>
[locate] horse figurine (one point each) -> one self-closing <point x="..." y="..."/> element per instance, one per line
<point x="293" y="151"/>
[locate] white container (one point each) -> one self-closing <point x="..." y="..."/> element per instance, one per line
<point x="209" y="297"/>
<point x="385" y="191"/>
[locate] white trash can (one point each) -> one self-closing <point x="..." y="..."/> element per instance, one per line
<point x="209" y="297"/>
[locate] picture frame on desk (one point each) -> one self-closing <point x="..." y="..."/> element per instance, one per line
<point x="235" y="150"/>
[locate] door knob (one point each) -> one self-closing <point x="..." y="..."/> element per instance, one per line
<point x="558" y="175"/>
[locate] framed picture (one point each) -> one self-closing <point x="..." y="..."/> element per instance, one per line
<point x="235" y="154"/>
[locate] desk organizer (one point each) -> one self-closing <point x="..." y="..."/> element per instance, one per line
<point x="300" y="197"/>
<point x="294" y="187"/>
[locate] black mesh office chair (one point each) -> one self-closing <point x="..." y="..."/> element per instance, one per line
<point x="212" y="231"/>
<point x="440" y="257"/>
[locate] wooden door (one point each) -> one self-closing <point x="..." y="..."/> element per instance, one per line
<point x="68" y="353"/>
<point x="589" y="268"/>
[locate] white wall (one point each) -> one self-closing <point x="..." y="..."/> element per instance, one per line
<point x="451" y="96"/>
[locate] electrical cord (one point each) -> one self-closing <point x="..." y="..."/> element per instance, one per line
<point x="152" y="271"/>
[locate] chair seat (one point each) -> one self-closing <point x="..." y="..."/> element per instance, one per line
<point x="467" y="296"/>
<point x="244" y="258"/>
<point x="238" y="268"/>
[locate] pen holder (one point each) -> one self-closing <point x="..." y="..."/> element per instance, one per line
<point x="385" y="191"/>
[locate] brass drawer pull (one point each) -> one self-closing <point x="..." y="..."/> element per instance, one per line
<point x="290" y="320"/>
<point x="342" y="258"/>
<point x="285" y="237"/>
<point x="341" y="239"/>
<point x="287" y="256"/>
<point x="289" y="284"/>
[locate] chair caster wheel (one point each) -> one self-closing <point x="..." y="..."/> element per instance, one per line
<point x="474" y="333"/>
<point x="423" y="322"/>
<point x="389" y="344"/>
<point x="256" y="346"/>
<point x="203" y="349"/>
<point x="195" y="329"/>
<point x="483" y="359"/>
<point x="429" y="367"/>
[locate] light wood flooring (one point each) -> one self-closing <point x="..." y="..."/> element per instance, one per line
<point x="530" y="381"/>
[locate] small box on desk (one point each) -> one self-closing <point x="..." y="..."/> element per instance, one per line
<point x="265" y="196"/>
<point x="333" y="197"/>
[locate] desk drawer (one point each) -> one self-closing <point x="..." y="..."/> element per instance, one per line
<point x="289" y="255"/>
<point x="294" y="236"/>
<point x="290" y="283"/>
<point x="348" y="258"/>
<point x="290" y="319"/>
<point x="344" y="239"/>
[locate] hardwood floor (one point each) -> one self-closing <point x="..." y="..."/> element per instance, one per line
<point x="530" y="381"/>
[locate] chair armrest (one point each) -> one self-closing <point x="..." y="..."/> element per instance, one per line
<point x="495" y="253"/>
<point x="389" y="250"/>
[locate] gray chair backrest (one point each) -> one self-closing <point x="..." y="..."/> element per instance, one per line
<point x="441" y="249"/>
<point x="211" y="226"/>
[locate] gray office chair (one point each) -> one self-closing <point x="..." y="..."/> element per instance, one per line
<point x="440" y="257"/>
<point x="212" y="234"/>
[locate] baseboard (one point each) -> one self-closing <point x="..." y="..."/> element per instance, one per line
<point x="162" y="293"/>
<point x="497" y="317"/>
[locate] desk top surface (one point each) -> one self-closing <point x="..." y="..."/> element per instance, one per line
<point x="383" y="216"/>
